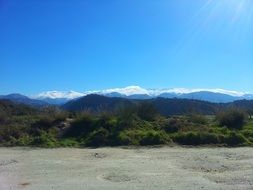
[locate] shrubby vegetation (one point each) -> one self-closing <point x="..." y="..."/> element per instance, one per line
<point x="136" y="124"/>
<point x="232" y="118"/>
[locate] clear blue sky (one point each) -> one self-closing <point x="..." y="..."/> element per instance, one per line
<point x="95" y="44"/>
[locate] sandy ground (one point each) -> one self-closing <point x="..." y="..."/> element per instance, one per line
<point x="121" y="168"/>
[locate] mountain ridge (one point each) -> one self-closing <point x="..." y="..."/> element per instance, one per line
<point x="133" y="92"/>
<point x="21" y="99"/>
<point x="136" y="92"/>
<point x="165" y="106"/>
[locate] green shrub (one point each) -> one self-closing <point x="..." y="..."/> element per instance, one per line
<point x="173" y="125"/>
<point x="45" y="140"/>
<point x="124" y="138"/>
<point x="82" y="126"/>
<point x="153" y="138"/>
<point x="140" y="137"/>
<point x="60" y="117"/>
<point x="69" y="142"/>
<point x="233" y="119"/>
<point x="98" y="138"/>
<point x="25" y="140"/>
<point x="44" y="123"/>
<point x="7" y="132"/>
<point x="198" y="119"/>
<point x="107" y="121"/>
<point x="233" y="139"/>
<point x="126" y="116"/>
<point x="247" y="133"/>
<point x="194" y="138"/>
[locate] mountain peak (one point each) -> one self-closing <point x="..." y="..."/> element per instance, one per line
<point x="127" y="91"/>
<point x="59" y="95"/>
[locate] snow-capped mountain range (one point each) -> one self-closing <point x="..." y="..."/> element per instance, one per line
<point x="136" y="92"/>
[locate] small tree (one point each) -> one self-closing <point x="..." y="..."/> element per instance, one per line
<point x="232" y="118"/>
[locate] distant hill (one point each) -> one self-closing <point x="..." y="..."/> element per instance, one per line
<point x="165" y="106"/>
<point x="18" y="98"/>
<point x="55" y="101"/>
<point x="95" y="102"/>
<point x="10" y="108"/>
<point x="176" y="106"/>
<point x="210" y="97"/>
<point x="243" y="104"/>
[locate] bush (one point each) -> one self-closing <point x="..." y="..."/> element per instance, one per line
<point x="128" y="138"/>
<point x="233" y="119"/>
<point x="60" y="117"/>
<point x="24" y="141"/>
<point x="45" y="140"/>
<point x="107" y="121"/>
<point x="98" y="138"/>
<point x="139" y="137"/>
<point x="173" y="125"/>
<point x="153" y="138"/>
<point x="248" y="133"/>
<point x="193" y="138"/>
<point x="126" y="116"/>
<point x="44" y="123"/>
<point x="198" y="119"/>
<point x="82" y="126"/>
<point x="69" y="143"/>
<point x="234" y="138"/>
<point x="11" y="131"/>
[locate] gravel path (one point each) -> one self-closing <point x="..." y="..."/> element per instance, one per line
<point x="121" y="168"/>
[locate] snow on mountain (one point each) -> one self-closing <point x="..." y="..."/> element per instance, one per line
<point x="132" y="91"/>
<point x="59" y="95"/>
<point x="178" y="91"/>
<point x="127" y="91"/>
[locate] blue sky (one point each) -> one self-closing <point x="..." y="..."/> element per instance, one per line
<point x="96" y="44"/>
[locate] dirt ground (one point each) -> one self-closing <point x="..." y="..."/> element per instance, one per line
<point x="161" y="168"/>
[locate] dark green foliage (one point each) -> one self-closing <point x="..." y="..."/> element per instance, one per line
<point x="142" y="137"/>
<point x="173" y="125"/>
<point x="98" y="138"/>
<point x="194" y="138"/>
<point x="232" y="118"/>
<point x="248" y="134"/>
<point x="146" y="111"/>
<point x="3" y="118"/>
<point x="44" y="123"/>
<point x="44" y="140"/>
<point x="136" y="123"/>
<point x="233" y="139"/>
<point x="8" y="132"/>
<point x="80" y="127"/>
<point x="198" y="119"/>
<point x="9" y="108"/>
<point x="68" y="142"/>
<point x="107" y="121"/>
<point x="126" y="116"/>
<point x="153" y="138"/>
